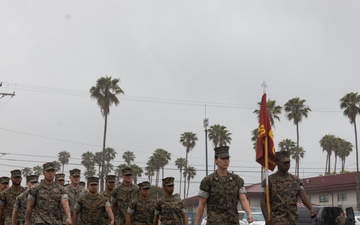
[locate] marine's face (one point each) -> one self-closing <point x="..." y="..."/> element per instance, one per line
<point x="75" y="179"/>
<point x="49" y="175"/>
<point x="145" y="192"/>
<point x="4" y="186"/>
<point x="93" y="188"/>
<point x="169" y="188"/>
<point x="127" y="179"/>
<point x="110" y="185"/>
<point x="222" y="163"/>
<point x="16" y="180"/>
<point x="60" y="182"/>
<point x="283" y="166"/>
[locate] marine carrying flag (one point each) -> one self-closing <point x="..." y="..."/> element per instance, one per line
<point x="265" y="137"/>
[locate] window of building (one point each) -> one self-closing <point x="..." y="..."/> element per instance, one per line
<point x="342" y="197"/>
<point x="324" y="198"/>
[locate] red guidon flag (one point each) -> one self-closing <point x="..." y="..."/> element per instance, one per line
<point x="264" y="131"/>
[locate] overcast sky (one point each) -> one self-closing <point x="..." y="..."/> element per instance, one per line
<point x="173" y="58"/>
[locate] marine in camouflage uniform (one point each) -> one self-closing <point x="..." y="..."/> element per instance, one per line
<point x="18" y="214"/>
<point x="74" y="190"/>
<point x="48" y="199"/>
<point x="285" y="189"/>
<point x="4" y="184"/>
<point x="220" y="192"/>
<point x="141" y="210"/>
<point x="92" y="206"/>
<point x="109" y="187"/>
<point x="122" y="195"/>
<point x="7" y="197"/>
<point x="170" y="209"/>
<point x="60" y="179"/>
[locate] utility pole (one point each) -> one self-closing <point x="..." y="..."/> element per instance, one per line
<point x="6" y="94"/>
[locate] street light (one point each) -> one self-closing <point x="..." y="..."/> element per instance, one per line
<point x="206" y="124"/>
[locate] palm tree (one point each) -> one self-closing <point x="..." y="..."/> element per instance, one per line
<point x="297" y="153"/>
<point x="154" y="164"/>
<point x="87" y="160"/>
<point x="328" y="143"/>
<point x="290" y="146"/>
<point x="163" y="158"/>
<point x="345" y="148"/>
<point x="150" y="171"/>
<point x="272" y="109"/>
<point x="188" y="140"/>
<point x="105" y="93"/>
<point x="57" y="165"/>
<point x="37" y="170"/>
<point x="109" y="155"/>
<point x="287" y="145"/>
<point x="180" y="163"/>
<point x="296" y="110"/>
<point x="26" y="171"/>
<point x="137" y="172"/>
<point x="219" y="135"/>
<point x="351" y="105"/>
<point x="254" y="137"/>
<point x="64" y="157"/>
<point x="98" y="160"/>
<point x="119" y="169"/>
<point x="129" y="157"/>
<point x="189" y="173"/>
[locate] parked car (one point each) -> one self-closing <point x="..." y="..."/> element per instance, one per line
<point x="241" y="216"/>
<point x="325" y="215"/>
<point x="357" y="218"/>
<point x="258" y="218"/>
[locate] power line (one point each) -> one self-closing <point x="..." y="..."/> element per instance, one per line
<point x="70" y="92"/>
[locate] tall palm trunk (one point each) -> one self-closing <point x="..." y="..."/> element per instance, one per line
<point x="188" y="187"/>
<point x="186" y="162"/>
<point x="297" y="145"/>
<point x="103" y="154"/>
<point x="335" y="163"/>
<point x="180" y="181"/>
<point x="356" y="147"/>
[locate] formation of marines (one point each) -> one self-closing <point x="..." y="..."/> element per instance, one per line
<point x="50" y="201"/>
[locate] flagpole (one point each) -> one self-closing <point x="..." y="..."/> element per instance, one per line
<point x="267" y="178"/>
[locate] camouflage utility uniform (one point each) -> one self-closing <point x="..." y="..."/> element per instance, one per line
<point x="222" y="195"/>
<point x="7" y="200"/>
<point x="123" y="195"/>
<point x="142" y="211"/>
<point x="48" y="207"/>
<point x="74" y="195"/>
<point x="284" y="191"/>
<point x="170" y="210"/>
<point x="21" y="205"/>
<point x="92" y="209"/>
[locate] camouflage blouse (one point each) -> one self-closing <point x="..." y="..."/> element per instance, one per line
<point x="47" y="198"/>
<point x="222" y="194"/>
<point x="170" y="210"/>
<point x="21" y="205"/>
<point x="284" y="192"/>
<point x="92" y="209"/>
<point x="122" y="195"/>
<point x="142" y="211"/>
<point x="7" y="199"/>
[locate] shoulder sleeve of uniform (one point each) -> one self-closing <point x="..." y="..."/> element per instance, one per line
<point x="205" y="183"/>
<point x="239" y="180"/>
<point x="114" y="192"/>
